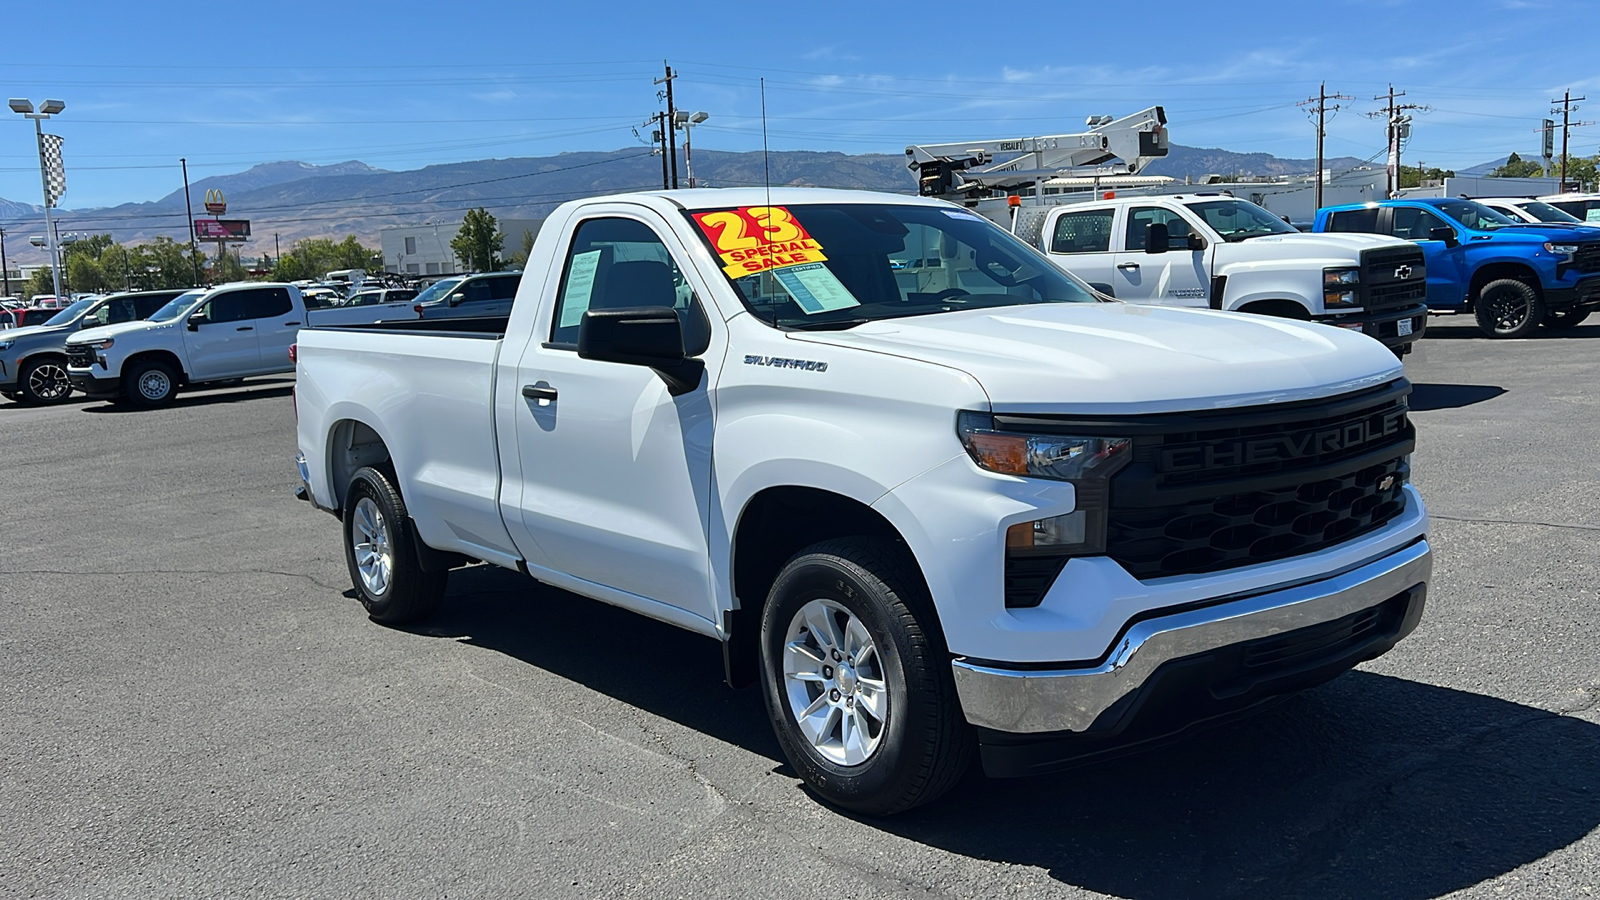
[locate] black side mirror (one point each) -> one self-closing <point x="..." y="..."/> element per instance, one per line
<point x="1446" y="234"/>
<point x="196" y="320"/>
<point x="1195" y="242"/>
<point x="1156" y="237"/>
<point x="641" y="336"/>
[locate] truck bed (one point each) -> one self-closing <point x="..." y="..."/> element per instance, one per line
<point x="492" y="327"/>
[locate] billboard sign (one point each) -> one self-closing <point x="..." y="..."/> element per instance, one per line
<point x="222" y="229"/>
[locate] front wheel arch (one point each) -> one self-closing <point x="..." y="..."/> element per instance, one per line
<point x="1282" y="309"/>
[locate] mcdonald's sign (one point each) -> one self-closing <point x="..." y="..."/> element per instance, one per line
<point x="214" y="202"/>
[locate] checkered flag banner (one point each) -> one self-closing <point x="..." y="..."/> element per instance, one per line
<point x="55" y="172"/>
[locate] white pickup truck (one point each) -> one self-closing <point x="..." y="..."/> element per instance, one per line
<point x="212" y="335"/>
<point x="924" y="488"/>
<point x="1212" y="250"/>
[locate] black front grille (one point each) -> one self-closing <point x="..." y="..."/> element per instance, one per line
<point x="1393" y="276"/>
<point x="1587" y="259"/>
<point x="80" y="356"/>
<point x="1207" y="535"/>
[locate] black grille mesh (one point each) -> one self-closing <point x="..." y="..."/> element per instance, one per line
<point x="80" y="356"/>
<point x="1587" y="259"/>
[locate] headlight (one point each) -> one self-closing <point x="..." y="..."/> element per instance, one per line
<point x="102" y="345"/>
<point x="1086" y="461"/>
<point x="6" y="345"/>
<point x="1561" y="249"/>
<point x="1341" y="276"/>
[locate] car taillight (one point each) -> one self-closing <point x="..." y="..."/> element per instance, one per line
<point x="418" y="308"/>
<point x="294" y="353"/>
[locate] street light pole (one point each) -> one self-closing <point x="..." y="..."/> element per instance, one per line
<point x="46" y="109"/>
<point x="687" y="121"/>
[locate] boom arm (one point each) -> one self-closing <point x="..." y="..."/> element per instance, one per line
<point x="962" y="167"/>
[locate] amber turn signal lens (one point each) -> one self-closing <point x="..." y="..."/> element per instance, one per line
<point x="1007" y="453"/>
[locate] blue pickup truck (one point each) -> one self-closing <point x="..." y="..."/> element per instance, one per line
<point x="1513" y="276"/>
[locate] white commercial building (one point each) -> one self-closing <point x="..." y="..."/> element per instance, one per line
<point x="425" y="249"/>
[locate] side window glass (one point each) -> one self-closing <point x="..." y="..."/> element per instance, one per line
<point x="504" y="287"/>
<point x="1141" y="217"/>
<point x="1414" y="224"/>
<point x="1083" y="232"/>
<point x="145" y="307"/>
<point x="1354" y="221"/>
<point x="615" y="263"/>
<point x="120" y="311"/>
<point x="229" y="307"/>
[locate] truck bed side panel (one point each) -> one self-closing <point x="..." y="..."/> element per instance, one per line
<point x="430" y="398"/>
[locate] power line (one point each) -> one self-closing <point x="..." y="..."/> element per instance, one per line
<point x="1399" y="128"/>
<point x="1567" y="102"/>
<point x="1320" y="109"/>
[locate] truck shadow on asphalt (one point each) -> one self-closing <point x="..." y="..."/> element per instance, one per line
<point x="212" y="397"/>
<point x="1370" y="786"/>
<point x="1426" y="396"/>
<point x="1464" y="327"/>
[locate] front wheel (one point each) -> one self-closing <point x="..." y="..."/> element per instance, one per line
<point x="857" y="679"/>
<point x="149" y="384"/>
<point x="381" y="556"/>
<point x="1508" y="308"/>
<point x="44" y="382"/>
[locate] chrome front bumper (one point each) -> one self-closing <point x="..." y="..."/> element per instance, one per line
<point x="1069" y="698"/>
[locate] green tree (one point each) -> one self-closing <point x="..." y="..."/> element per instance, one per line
<point x="1411" y="176"/>
<point x="1517" y="167"/>
<point x="166" y="264"/>
<point x="85" y="273"/>
<point x="520" y="258"/>
<point x="227" y="268"/>
<point x="479" y="241"/>
<point x="1582" y="169"/>
<point x="117" y="262"/>
<point x="39" y="282"/>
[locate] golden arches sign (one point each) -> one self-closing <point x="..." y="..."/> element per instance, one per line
<point x="215" y="204"/>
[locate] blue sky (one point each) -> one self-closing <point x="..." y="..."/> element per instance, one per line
<point x="404" y="84"/>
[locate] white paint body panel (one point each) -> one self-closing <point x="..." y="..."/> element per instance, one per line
<point x="632" y="496"/>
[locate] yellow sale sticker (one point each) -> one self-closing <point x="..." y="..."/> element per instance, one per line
<point x="755" y="239"/>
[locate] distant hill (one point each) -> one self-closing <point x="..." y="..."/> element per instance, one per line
<point x="295" y="200"/>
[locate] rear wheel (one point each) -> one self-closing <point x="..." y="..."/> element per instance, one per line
<point x="380" y="552"/>
<point x="149" y="383"/>
<point x="857" y="679"/>
<point x="1508" y="308"/>
<point x="44" y="382"/>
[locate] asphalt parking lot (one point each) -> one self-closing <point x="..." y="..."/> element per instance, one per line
<point x="194" y="705"/>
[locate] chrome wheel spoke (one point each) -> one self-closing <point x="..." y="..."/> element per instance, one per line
<point x="871" y="696"/>
<point x="369" y="543"/>
<point x="834" y="683"/>
<point x="824" y="630"/>
<point x="802" y="663"/>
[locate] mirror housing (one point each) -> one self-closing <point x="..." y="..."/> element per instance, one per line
<point x="1446" y="234"/>
<point x="1156" y="238"/>
<point x="196" y="320"/>
<point x="1196" y="242"/>
<point x="456" y="298"/>
<point x="641" y="336"/>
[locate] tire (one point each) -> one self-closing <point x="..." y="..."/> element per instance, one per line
<point x="149" y="384"/>
<point x="381" y="556"/>
<point x="913" y="744"/>
<point x="43" y="382"/>
<point x="1565" y="318"/>
<point x="1508" y="308"/>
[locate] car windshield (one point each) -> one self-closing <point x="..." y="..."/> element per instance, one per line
<point x="1240" y="220"/>
<point x="437" y="289"/>
<point x="837" y="265"/>
<point x="72" y="312"/>
<point x="177" y="306"/>
<point x="1544" y="212"/>
<point x="1474" y="215"/>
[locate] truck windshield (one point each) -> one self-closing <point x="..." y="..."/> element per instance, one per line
<point x="177" y="307"/>
<point x="838" y="265"/>
<point x="1240" y="220"/>
<point x="1474" y="215"/>
<point x="437" y="289"/>
<point x="1544" y="212"/>
<point x="72" y="312"/>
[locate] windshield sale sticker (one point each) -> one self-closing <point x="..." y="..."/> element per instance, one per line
<point x="754" y="239"/>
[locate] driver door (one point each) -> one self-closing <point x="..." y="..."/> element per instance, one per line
<point x="220" y="338"/>
<point x="1176" y="277"/>
<point x="616" y="471"/>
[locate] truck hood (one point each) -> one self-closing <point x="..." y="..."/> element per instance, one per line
<point x="1120" y="358"/>
<point x="12" y="334"/>
<point x="111" y="331"/>
<point x="1552" y="232"/>
<point x="1339" y="246"/>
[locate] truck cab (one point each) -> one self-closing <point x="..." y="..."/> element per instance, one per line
<point x="1513" y="276"/>
<point x="1216" y="251"/>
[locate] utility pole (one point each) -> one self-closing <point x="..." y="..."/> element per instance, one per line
<point x="669" y="125"/>
<point x="1320" y="108"/>
<point x="1399" y="129"/>
<point x="1566" y="101"/>
<point x="5" y="269"/>
<point x="194" y="253"/>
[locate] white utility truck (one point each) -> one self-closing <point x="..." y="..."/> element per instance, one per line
<point x="215" y="335"/>
<point x="928" y="490"/>
<point x="1154" y="246"/>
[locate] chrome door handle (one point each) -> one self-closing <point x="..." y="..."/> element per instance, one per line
<point x="539" y="392"/>
<point x="1128" y="265"/>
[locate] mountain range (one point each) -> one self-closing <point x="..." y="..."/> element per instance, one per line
<point x="290" y="200"/>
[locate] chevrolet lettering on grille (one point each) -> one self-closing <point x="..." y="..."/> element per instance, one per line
<point x="1341" y="439"/>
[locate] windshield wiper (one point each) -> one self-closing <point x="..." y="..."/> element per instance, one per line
<point x="831" y="325"/>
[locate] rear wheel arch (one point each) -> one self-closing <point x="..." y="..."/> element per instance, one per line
<point x="353" y="445"/>
<point x="775" y="524"/>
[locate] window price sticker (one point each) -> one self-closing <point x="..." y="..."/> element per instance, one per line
<point x="754" y="239"/>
